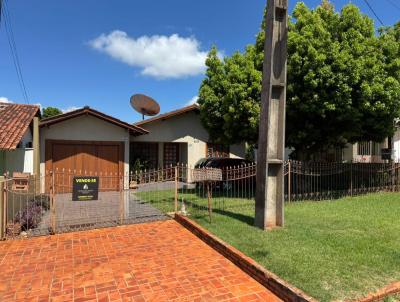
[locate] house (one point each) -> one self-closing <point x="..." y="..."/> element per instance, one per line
<point x="89" y="142"/>
<point x="85" y="142"/>
<point x="19" y="138"/>
<point x="178" y="137"/>
<point x="367" y="152"/>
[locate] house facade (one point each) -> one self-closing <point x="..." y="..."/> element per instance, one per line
<point x="85" y="142"/>
<point x="88" y="142"/>
<point x="366" y="152"/>
<point x="178" y="137"/>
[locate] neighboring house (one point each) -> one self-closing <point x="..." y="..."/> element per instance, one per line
<point x="19" y="138"/>
<point x="178" y="137"/>
<point x="367" y="152"/>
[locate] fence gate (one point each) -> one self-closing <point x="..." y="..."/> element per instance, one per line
<point x="74" y="201"/>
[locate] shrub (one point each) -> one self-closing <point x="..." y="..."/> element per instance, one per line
<point x="43" y="201"/>
<point x="29" y="217"/>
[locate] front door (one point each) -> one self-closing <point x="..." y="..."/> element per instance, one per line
<point x="171" y="154"/>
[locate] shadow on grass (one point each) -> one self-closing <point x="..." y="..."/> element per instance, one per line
<point x="234" y="215"/>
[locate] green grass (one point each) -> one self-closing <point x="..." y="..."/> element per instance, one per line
<point x="332" y="250"/>
<point x="392" y="298"/>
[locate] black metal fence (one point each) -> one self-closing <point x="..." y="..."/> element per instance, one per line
<point x="321" y="181"/>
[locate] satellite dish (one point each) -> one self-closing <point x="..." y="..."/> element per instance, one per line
<point x="145" y="105"/>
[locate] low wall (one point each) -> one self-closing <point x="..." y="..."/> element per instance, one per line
<point x="279" y="287"/>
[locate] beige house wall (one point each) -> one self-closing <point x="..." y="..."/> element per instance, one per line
<point x="349" y="152"/>
<point x="396" y="145"/>
<point x="84" y="128"/>
<point x="184" y="128"/>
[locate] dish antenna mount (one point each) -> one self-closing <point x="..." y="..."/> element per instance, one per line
<point x="145" y="105"/>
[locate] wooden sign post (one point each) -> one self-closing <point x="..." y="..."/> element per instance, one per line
<point x="271" y="141"/>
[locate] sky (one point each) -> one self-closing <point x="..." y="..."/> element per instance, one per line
<point x="99" y="53"/>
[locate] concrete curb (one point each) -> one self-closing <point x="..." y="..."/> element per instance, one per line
<point x="279" y="287"/>
<point x="381" y="294"/>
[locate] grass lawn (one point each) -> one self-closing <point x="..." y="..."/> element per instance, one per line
<point x="333" y="250"/>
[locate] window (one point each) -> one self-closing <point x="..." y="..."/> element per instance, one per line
<point x="217" y="150"/>
<point x="369" y="148"/>
<point x="147" y="153"/>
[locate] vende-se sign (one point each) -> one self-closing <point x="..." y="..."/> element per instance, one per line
<point x="85" y="188"/>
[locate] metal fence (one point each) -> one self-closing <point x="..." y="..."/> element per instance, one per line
<point x="321" y="181"/>
<point x="45" y="205"/>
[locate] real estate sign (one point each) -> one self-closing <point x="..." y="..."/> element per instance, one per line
<point x="85" y="188"/>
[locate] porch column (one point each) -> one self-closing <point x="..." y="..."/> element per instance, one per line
<point x="36" y="153"/>
<point x="126" y="161"/>
<point x="2" y="209"/>
<point x="161" y="154"/>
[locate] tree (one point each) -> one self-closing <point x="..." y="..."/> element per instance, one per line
<point x="50" y="111"/>
<point x="342" y="83"/>
<point x="229" y="97"/>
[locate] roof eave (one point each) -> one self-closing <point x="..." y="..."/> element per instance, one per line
<point x="168" y="115"/>
<point x="135" y="130"/>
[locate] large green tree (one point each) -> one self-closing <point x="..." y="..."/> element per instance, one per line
<point x="343" y="83"/>
<point x="50" y="111"/>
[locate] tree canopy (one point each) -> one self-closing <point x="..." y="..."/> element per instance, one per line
<point x="343" y="82"/>
<point x="50" y="111"/>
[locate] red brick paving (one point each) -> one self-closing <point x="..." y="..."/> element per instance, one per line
<point x="158" y="261"/>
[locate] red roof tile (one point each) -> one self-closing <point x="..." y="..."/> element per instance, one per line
<point x="14" y="121"/>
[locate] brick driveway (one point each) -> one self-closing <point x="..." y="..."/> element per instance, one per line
<point x="159" y="261"/>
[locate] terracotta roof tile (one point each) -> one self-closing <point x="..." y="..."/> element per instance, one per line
<point x="14" y="121"/>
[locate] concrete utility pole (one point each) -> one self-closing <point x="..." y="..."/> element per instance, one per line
<point x="271" y="140"/>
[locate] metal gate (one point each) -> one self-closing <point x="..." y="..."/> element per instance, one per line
<point x="45" y="205"/>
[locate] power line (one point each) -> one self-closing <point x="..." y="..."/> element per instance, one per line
<point x="1" y="6"/>
<point x="373" y="11"/>
<point x="13" y="47"/>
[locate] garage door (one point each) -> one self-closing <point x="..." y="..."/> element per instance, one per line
<point x="69" y="159"/>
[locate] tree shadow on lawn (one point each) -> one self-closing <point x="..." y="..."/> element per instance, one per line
<point x="249" y="220"/>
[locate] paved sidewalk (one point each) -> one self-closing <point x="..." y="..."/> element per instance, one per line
<point x="158" y="261"/>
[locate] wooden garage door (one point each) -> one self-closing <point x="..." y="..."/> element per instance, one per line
<point x="69" y="159"/>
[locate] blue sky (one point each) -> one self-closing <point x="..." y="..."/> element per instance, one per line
<point x="99" y="53"/>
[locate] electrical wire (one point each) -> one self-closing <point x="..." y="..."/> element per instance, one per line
<point x="13" y="47"/>
<point x="1" y="11"/>
<point x="373" y="11"/>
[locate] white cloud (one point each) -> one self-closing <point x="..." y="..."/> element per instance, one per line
<point x="192" y="101"/>
<point x="5" y="100"/>
<point x="157" y="56"/>
<point x="69" y="109"/>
